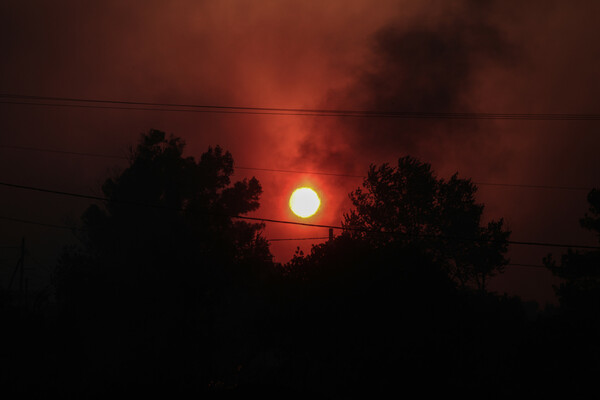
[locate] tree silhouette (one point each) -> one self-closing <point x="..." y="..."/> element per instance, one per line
<point x="382" y="296"/>
<point x="579" y="292"/>
<point x="408" y="204"/>
<point x="162" y="261"/>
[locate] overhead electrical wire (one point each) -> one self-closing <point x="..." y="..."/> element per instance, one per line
<point x="66" y="152"/>
<point x="28" y="221"/>
<point x="270" y="240"/>
<point x="288" y="171"/>
<point x="179" y="107"/>
<point x="53" y="101"/>
<point x="518" y="185"/>
<point x="278" y="221"/>
<point x="112" y="156"/>
<point x="304" y="238"/>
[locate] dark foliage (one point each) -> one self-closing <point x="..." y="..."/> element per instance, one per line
<point x="409" y="205"/>
<point x="169" y="296"/>
<point x="579" y="292"/>
<point x="159" y="267"/>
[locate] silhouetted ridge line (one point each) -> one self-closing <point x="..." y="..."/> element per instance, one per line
<point x="278" y="221"/>
<point x="578" y="188"/>
<point x="212" y="108"/>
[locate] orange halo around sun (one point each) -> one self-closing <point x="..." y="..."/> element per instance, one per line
<point x="304" y="202"/>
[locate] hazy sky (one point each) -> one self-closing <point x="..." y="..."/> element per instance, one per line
<point x="431" y="56"/>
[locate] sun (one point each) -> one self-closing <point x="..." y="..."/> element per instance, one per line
<point x="304" y="202"/>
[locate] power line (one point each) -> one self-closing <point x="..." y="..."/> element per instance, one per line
<point x="82" y="196"/>
<point x="27" y="221"/>
<point x="188" y="110"/>
<point x="270" y="240"/>
<point x="288" y="171"/>
<point x="546" y="244"/>
<point x="293" y="239"/>
<point x="74" y="153"/>
<point x="475" y="182"/>
<point x="84" y="154"/>
<point x="135" y="203"/>
<point x="534" y="186"/>
<point x="317" y="112"/>
<point x="278" y="221"/>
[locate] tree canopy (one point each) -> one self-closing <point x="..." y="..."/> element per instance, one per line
<point x="172" y="217"/>
<point x="166" y="199"/>
<point x="408" y="204"/>
<point x="161" y="258"/>
<point x="169" y="294"/>
<point x="579" y="290"/>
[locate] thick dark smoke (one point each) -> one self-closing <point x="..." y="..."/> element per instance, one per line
<point x="429" y="66"/>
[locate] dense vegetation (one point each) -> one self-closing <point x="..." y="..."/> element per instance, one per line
<point x="169" y="293"/>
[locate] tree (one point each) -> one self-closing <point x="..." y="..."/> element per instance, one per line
<point x="579" y="292"/>
<point x="158" y="263"/>
<point x="169" y="210"/>
<point x="408" y="204"/>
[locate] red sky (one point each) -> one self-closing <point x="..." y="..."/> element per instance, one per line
<point x="462" y="56"/>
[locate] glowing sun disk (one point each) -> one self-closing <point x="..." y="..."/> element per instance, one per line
<point x="304" y="202"/>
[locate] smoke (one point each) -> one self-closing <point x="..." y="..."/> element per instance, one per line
<point x="428" y="65"/>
